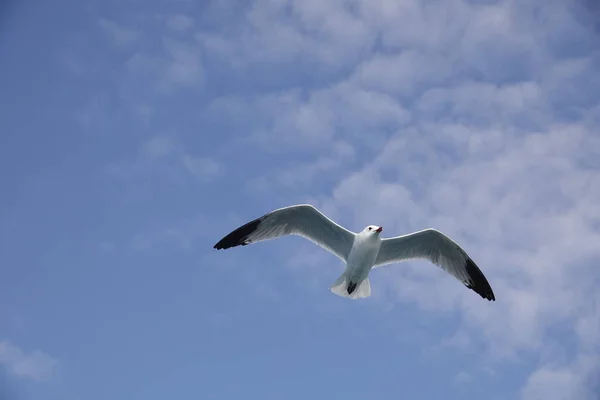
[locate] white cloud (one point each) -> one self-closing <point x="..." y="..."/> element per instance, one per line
<point x="180" y="23"/>
<point x="295" y="121"/>
<point x="180" y="234"/>
<point x="158" y="147"/>
<point x="563" y="382"/>
<point x="388" y="73"/>
<point x="185" y="66"/>
<point x="154" y="68"/>
<point x="274" y="32"/>
<point x="203" y="168"/>
<point x="463" y="378"/>
<point x="121" y="36"/>
<point x="106" y="247"/>
<point x="35" y="365"/>
<point x="92" y="117"/>
<point x="165" y="160"/>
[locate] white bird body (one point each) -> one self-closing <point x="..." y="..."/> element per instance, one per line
<point x="363" y="255"/>
<point x="363" y="251"/>
<point x="359" y="264"/>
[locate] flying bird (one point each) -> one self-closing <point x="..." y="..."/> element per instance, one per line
<point x="363" y="251"/>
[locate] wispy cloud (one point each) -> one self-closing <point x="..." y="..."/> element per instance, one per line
<point x="574" y="380"/>
<point x="34" y="365"/>
<point x="463" y="378"/>
<point x="121" y="36"/>
<point x="164" y="159"/>
<point x="147" y="69"/>
<point x="203" y="168"/>
<point x="180" y="23"/>
<point x="181" y="234"/>
<point x="185" y="66"/>
<point x="106" y="247"/>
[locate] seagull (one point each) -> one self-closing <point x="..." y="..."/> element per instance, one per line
<point x="363" y="251"/>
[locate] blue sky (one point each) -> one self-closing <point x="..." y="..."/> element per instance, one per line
<point x="135" y="134"/>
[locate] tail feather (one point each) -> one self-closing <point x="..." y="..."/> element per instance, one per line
<point x="354" y="290"/>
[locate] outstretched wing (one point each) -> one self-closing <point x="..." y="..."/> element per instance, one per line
<point x="302" y="220"/>
<point x="442" y="251"/>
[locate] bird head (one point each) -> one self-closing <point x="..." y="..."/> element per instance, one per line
<point x="373" y="230"/>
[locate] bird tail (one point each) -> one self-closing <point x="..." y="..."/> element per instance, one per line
<point x="358" y="290"/>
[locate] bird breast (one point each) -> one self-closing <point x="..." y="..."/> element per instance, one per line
<point x="362" y="257"/>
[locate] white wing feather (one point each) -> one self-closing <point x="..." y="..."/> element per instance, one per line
<point x="439" y="249"/>
<point x="303" y="220"/>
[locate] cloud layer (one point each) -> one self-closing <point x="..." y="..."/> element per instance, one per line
<point x="477" y="118"/>
<point x="35" y="365"/>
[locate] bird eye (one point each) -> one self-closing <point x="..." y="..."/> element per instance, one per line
<point x="370" y="228"/>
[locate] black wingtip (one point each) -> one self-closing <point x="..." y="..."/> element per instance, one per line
<point x="238" y="237"/>
<point x="478" y="283"/>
